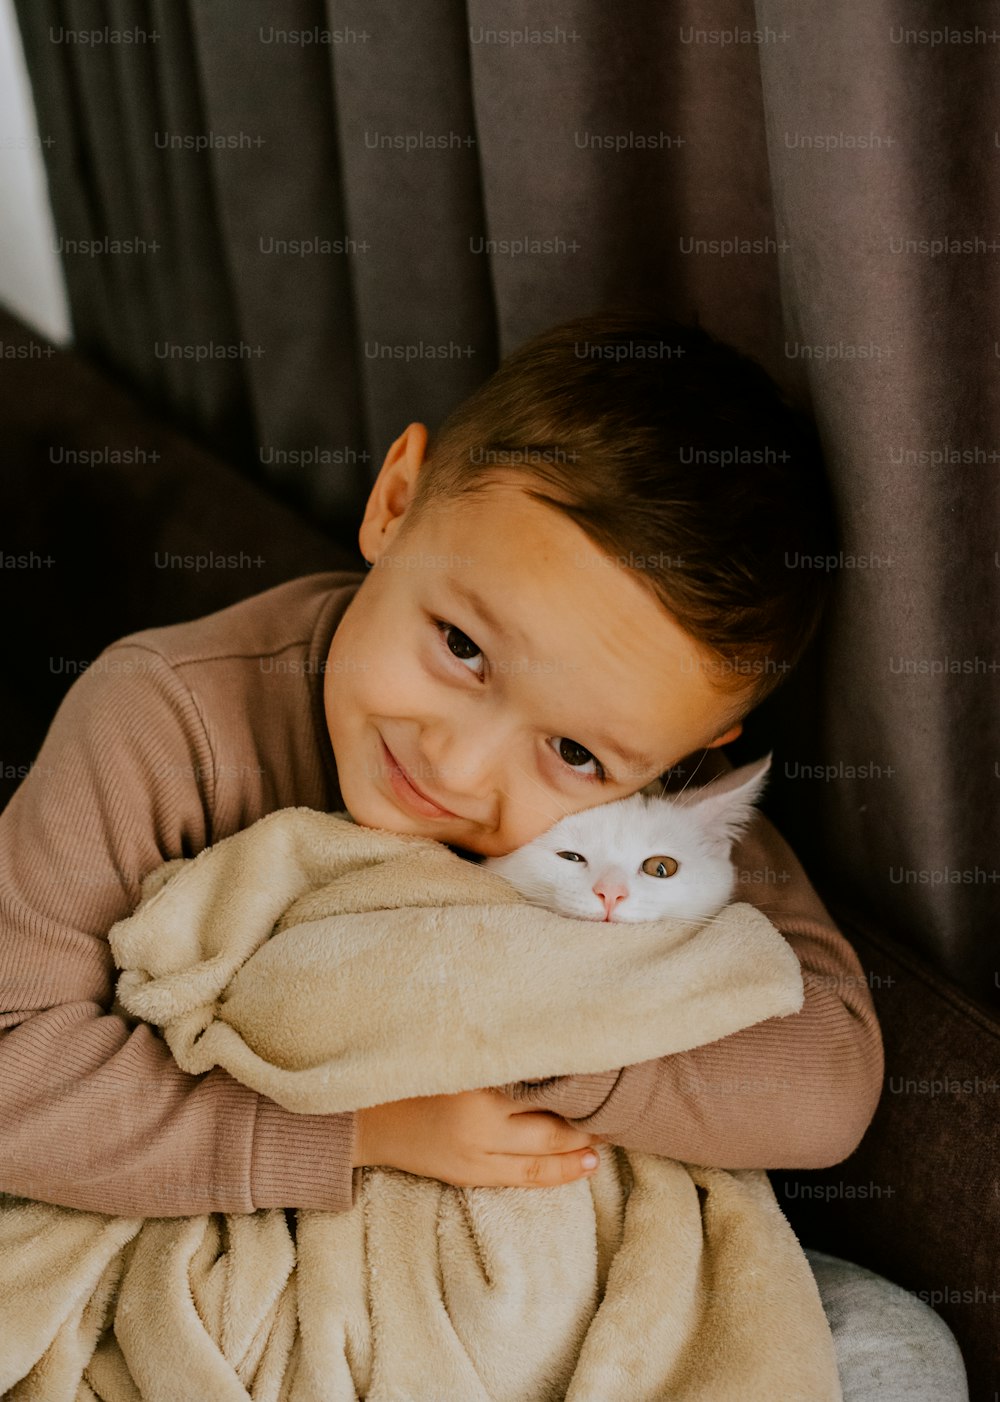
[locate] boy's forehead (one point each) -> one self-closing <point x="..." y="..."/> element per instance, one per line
<point x="533" y="575"/>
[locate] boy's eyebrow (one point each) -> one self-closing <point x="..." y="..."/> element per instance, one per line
<point x="469" y="595"/>
<point x="631" y="759"/>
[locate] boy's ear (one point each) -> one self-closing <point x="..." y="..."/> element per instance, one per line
<point x="393" y="490"/>
<point x="726" y="805"/>
<point x="733" y="733"/>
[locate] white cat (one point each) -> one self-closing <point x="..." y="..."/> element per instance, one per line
<point x="642" y="857"/>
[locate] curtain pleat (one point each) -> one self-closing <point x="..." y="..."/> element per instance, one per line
<point x="281" y="189"/>
<point x="60" y="100"/>
<point x="102" y="124"/>
<point x="153" y="271"/>
<point x="895" y="782"/>
<point x="411" y="168"/>
<point x="213" y="390"/>
<point x="392" y="197"/>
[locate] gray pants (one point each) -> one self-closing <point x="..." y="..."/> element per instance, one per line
<point x="889" y="1343"/>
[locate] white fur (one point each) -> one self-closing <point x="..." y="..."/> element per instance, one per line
<point x="696" y="827"/>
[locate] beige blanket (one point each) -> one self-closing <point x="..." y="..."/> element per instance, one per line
<point x="331" y="967"/>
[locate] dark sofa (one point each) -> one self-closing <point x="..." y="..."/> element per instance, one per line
<point x="918" y="1202"/>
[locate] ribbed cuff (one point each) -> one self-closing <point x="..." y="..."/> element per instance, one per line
<point x="303" y="1160"/>
<point x="573" y="1097"/>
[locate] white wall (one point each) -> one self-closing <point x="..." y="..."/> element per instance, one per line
<point x="31" y="282"/>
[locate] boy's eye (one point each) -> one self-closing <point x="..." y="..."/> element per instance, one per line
<point x="575" y="751"/>
<point x="463" y="649"/>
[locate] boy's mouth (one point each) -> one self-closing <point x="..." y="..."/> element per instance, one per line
<point x="406" y="790"/>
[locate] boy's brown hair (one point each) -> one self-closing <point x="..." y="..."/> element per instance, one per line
<point x="681" y="459"/>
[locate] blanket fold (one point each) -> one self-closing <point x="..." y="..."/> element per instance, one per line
<point x="330" y="967"/>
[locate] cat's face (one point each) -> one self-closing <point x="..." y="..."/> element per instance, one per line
<point x="642" y="857"/>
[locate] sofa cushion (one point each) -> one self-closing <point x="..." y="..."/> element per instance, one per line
<point x="114" y="521"/>
<point x="919" y="1200"/>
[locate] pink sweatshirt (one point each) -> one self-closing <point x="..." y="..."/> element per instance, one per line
<point x="176" y="737"/>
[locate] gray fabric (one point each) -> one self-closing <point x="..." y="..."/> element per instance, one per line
<point x="909" y="838"/>
<point x="889" y="1343"/>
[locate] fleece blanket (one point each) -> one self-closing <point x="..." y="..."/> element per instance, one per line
<point x="332" y="966"/>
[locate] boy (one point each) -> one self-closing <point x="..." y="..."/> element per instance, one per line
<point x="573" y="590"/>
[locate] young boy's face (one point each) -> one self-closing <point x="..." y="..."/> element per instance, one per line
<point x="504" y="723"/>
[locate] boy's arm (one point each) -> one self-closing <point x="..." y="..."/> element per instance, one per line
<point x="788" y="1092"/>
<point x="95" y="1113"/>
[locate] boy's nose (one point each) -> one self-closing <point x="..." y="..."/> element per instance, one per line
<point x="465" y="763"/>
<point x="610" y="892"/>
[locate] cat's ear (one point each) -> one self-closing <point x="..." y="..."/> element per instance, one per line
<point x="725" y="806"/>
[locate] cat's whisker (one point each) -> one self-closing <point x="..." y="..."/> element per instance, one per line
<point x="662" y="783"/>
<point x="709" y="918"/>
<point x="694" y="771"/>
<point x="522" y="770"/>
<point x="770" y="911"/>
<point x="690" y="778"/>
<point x="758" y="905"/>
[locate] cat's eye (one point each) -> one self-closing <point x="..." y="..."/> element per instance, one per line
<point x="572" y="857"/>
<point x="660" y="866"/>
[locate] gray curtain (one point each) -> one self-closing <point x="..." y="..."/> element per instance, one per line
<point x="818" y="188"/>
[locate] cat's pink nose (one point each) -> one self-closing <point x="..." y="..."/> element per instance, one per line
<point x="610" y="892"/>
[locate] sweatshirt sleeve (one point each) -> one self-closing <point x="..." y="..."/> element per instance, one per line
<point x="95" y="1114"/>
<point x="789" y="1092"/>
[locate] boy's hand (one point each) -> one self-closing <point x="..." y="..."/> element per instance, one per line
<point x="476" y="1139"/>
